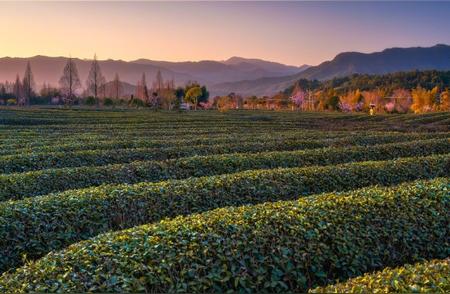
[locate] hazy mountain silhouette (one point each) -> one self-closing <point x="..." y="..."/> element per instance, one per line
<point x="386" y="61"/>
<point x="240" y="75"/>
<point x="233" y="69"/>
<point x="268" y="66"/>
<point x="49" y="69"/>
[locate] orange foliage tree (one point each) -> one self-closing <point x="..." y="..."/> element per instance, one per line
<point x="402" y="99"/>
<point x="374" y="97"/>
<point x="423" y="99"/>
<point x="223" y="103"/>
<point x="444" y="103"/>
<point x="352" y="101"/>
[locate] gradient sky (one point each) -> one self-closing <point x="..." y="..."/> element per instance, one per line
<point x="289" y="32"/>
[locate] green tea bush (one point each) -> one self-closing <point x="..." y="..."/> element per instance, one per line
<point x="18" y="186"/>
<point x="35" y="226"/>
<point x="272" y="247"/>
<point x="76" y="143"/>
<point x="96" y="142"/>
<point x="36" y="161"/>
<point x="431" y="276"/>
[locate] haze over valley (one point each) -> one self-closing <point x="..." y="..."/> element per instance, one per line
<point x="239" y="75"/>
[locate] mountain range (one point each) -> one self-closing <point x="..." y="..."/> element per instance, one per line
<point x="344" y="64"/>
<point x="49" y="69"/>
<point x="243" y="76"/>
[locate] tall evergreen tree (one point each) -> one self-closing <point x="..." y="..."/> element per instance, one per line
<point x="159" y="81"/>
<point x="28" y="85"/>
<point x="142" y="90"/>
<point x="17" y="90"/>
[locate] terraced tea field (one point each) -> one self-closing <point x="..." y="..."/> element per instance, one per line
<point x="140" y="201"/>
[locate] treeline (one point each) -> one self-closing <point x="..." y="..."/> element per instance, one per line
<point x="390" y="82"/>
<point x="100" y="92"/>
<point x="418" y="91"/>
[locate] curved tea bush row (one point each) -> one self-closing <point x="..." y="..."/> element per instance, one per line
<point x="78" y="144"/>
<point x="140" y="130"/>
<point x="122" y="142"/>
<point x="144" y="120"/>
<point x="37" y="161"/>
<point x="160" y="129"/>
<point x="54" y="139"/>
<point x="17" y="186"/>
<point x="431" y="276"/>
<point x="35" y="226"/>
<point x="56" y="133"/>
<point x="45" y="140"/>
<point x="116" y="123"/>
<point x="271" y="247"/>
<point x="199" y="120"/>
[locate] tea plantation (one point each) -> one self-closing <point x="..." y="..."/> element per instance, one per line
<point x="142" y="201"/>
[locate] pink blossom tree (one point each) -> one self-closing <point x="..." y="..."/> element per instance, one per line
<point x="206" y="105"/>
<point x="390" y="106"/>
<point x="402" y="100"/>
<point x="298" y="97"/>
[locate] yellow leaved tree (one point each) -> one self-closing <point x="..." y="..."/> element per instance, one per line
<point x="444" y="104"/>
<point x="423" y="99"/>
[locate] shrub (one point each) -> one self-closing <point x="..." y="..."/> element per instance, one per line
<point x="431" y="276"/>
<point x="136" y="102"/>
<point x="282" y="246"/>
<point x="17" y="186"/>
<point x="90" y="101"/>
<point x="108" y="102"/>
<point x="35" y="226"/>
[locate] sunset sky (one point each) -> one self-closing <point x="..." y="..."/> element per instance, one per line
<point x="289" y="32"/>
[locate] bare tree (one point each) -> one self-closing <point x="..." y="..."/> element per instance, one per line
<point x="2" y="90"/>
<point x="96" y="80"/>
<point x="117" y="87"/>
<point x="167" y="95"/>
<point x="170" y="84"/>
<point x="138" y="90"/>
<point x="69" y="81"/>
<point x="142" y="89"/>
<point x="28" y="84"/>
<point x="102" y="90"/>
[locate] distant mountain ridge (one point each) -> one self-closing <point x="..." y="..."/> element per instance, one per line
<point x="347" y="63"/>
<point x="232" y="69"/>
<point x="245" y="76"/>
<point x="266" y="65"/>
<point x="49" y="69"/>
